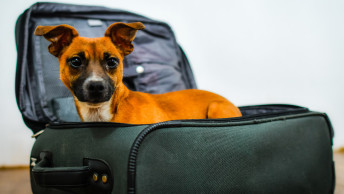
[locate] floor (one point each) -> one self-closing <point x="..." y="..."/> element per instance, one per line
<point x="10" y="179"/>
<point x="17" y="181"/>
<point x="339" y="160"/>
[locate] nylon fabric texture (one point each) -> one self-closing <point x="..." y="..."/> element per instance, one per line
<point x="239" y="159"/>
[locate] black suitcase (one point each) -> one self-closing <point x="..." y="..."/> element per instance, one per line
<point x="271" y="149"/>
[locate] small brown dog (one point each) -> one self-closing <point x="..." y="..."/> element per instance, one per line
<point x="92" y="69"/>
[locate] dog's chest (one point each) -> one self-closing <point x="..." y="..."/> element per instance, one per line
<point x="99" y="114"/>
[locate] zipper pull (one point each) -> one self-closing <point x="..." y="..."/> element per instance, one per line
<point x="37" y="134"/>
<point x="33" y="162"/>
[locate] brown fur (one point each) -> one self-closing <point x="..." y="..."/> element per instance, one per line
<point x="127" y="106"/>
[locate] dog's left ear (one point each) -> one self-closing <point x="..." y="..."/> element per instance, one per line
<point x="123" y="34"/>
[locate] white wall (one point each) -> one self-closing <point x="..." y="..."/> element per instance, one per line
<point x="250" y="51"/>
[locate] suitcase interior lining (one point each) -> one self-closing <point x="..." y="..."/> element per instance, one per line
<point x="45" y="97"/>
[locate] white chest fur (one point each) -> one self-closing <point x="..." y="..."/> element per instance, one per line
<point x="96" y="113"/>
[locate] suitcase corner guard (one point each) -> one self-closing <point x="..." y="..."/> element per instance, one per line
<point x="94" y="176"/>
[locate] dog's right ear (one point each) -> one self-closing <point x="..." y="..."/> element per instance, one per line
<point x="60" y="36"/>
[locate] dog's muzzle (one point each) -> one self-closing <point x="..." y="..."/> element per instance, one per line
<point x="94" y="91"/>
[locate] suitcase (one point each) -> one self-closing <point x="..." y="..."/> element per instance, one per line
<point x="270" y="149"/>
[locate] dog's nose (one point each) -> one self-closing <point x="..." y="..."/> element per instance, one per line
<point x="95" y="87"/>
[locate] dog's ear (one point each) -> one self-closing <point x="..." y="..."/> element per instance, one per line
<point x="123" y="34"/>
<point x="60" y="36"/>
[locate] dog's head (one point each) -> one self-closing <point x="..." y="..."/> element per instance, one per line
<point x="91" y="68"/>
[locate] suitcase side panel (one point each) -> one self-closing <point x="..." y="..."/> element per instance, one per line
<point x="289" y="155"/>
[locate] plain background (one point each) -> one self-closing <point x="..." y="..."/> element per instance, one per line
<point x="250" y="51"/>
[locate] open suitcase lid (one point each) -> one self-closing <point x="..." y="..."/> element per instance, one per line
<point x="41" y="96"/>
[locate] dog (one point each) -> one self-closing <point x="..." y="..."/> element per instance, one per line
<point x="92" y="69"/>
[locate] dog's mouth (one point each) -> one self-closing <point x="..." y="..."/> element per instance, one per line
<point x="94" y="100"/>
<point x="94" y="105"/>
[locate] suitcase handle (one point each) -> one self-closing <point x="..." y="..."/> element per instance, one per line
<point x="94" y="176"/>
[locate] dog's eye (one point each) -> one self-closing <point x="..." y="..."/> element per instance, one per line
<point x="75" y="62"/>
<point x="112" y="62"/>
